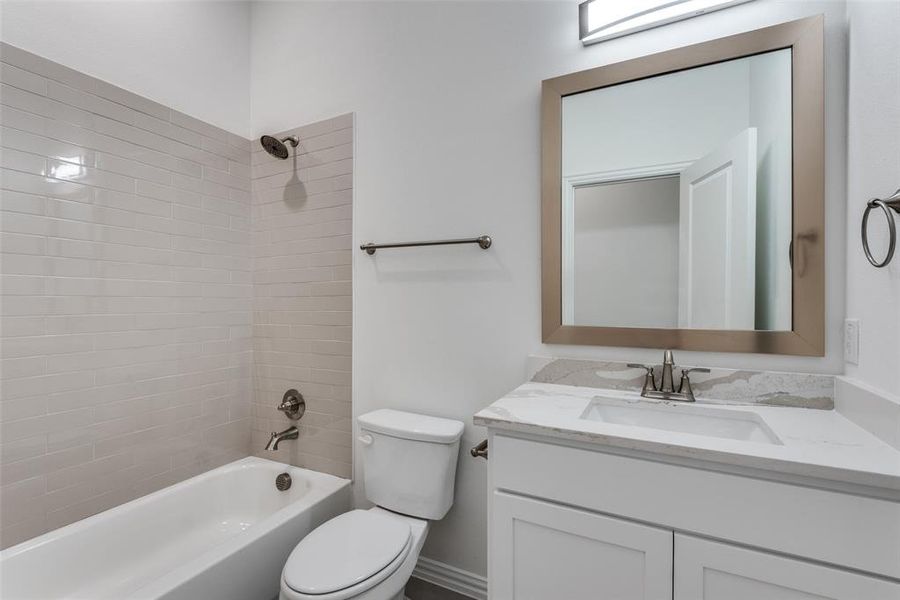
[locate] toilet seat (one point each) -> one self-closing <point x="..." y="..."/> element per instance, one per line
<point x="351" y="553"/>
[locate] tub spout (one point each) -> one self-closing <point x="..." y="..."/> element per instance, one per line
<point x="291" y="433"/>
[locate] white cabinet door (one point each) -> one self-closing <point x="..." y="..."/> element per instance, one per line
<point x="706" y="570"/>
<point x="545" y="551"/>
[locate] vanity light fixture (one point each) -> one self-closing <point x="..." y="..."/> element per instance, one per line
<point x="600" y="20"/>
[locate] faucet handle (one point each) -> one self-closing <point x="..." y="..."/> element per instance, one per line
<point x="685" y="386"/>
<point x="647" y="368"/>
<point x="649" y="379"/>
<point x="686" y="370"/>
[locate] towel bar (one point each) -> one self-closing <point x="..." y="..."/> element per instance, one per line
<point x="483" y="240"/>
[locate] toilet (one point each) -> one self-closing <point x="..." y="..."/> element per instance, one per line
<point x="409" y="466"/>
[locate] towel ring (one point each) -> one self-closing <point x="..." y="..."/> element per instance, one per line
<point x="886" y="204"/>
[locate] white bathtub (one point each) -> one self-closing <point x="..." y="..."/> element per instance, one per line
<point x="222" y="535"/>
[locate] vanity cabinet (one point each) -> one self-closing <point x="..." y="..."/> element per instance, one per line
<point x="577" y="522"/>
<point x="545" y="551"/>
<point x="710" y="570"/>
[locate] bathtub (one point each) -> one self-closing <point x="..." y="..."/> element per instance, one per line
<point x="222" y="535"/>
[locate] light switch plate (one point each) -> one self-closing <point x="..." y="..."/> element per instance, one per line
<point x="851" y="341"/>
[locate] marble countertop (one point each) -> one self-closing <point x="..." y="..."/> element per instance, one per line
<point x="820" y="444"/>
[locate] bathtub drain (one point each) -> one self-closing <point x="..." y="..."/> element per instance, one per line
<point x="283" y="482"/>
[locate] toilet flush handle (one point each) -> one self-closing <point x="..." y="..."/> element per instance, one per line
<point x="366" y="439"/>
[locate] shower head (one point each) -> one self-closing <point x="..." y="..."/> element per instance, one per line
<point x="276" y="147"/>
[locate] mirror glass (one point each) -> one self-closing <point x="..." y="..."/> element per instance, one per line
<point x="676" y="199"/>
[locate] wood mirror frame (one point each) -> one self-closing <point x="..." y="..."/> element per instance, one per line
<point x="805" y="38"/>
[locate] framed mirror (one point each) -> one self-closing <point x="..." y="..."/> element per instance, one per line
<point x="683" y="197"/>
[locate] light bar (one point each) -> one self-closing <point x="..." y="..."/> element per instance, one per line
<point x="601" y="20"/>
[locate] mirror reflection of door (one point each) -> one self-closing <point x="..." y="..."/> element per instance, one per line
<point x="717" y="238"/>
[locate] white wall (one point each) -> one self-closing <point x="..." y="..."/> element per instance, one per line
<point x="873" y="170"/>
<point x="192" y="56"/>
<point x="447" y="102"/>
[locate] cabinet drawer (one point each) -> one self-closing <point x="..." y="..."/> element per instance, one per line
<point x="842" y="529"/>
<point x="543" y="551"/>
<point x="706" y="570"/>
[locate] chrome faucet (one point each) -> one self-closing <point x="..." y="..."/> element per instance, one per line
<point x="666" y="388"/>
<point x="667" y="385"/>
<point x="291" y="433"/>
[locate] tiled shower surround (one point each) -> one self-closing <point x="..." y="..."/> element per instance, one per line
<point x="127" y="317"/>
<point x="301" y="230"/>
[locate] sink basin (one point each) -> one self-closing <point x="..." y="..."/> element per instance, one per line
<point x="682" y="418"/>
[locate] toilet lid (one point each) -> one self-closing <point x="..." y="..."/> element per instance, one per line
<point x="345" y="551"/>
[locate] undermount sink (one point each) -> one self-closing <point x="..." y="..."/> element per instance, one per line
<point x="682" y="418"/>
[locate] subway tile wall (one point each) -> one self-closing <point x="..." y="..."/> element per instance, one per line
<point x="127" y="294"/>
<point x="302" y="252"/>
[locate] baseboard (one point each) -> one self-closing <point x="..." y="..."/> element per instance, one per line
<point x="456" y="580"/>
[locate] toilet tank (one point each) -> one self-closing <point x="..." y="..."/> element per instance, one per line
<point x="409" y="461"/>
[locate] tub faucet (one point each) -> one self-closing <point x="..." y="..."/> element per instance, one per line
<point x="291" y="433"/>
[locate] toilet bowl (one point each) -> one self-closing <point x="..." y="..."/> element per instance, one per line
<point x="355" y="558"/>
<point x="409" y="467"/>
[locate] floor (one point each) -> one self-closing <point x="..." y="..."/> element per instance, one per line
<point x="416" y="589"/>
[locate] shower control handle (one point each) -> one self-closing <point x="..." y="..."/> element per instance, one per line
<point x="293" y="405"/>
